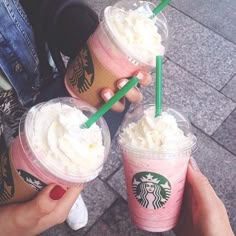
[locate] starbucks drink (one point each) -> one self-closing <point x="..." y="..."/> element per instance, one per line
<point x="52" y="148"/>
<point x="126" y="40"/>
<point x="155" y="153"/>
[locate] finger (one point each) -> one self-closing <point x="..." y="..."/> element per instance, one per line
<point x="68" y="199"/>
<point x="62" y="209"/>
<point x="185" y="213"/>
<point x="119" y="106"/>
<point x="133" y="95"/>
<point x="186" y="208"/>
<point x="144" y="77"/>
<point x="202" y="189"/>
<point x="44" y="203"/>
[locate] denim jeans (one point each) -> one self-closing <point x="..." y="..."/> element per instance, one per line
<point x="18" y="57"/>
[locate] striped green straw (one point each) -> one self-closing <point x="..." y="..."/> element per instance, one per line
<point x="158" y="86"/>
<point x="108" y="104"/>
<point x="160" y="6"/>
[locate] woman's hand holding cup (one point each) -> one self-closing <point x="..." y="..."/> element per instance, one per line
<point x="134" y="95"/>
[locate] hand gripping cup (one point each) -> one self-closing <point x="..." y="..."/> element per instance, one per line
<point x="126" y="40"/>
<point x="52" y="148"/>
<point x="155" y="154"/>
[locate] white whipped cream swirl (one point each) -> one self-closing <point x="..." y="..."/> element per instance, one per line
<point x="137" y="34"/>
<point x="59" y="140"/>
<point x="156" y="134"/>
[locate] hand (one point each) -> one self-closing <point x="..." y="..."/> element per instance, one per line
<point x="203" y="213"/>
<point x="133" y="95"/>
<point x="50" y="207"/>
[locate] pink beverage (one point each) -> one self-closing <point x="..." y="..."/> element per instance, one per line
<point x="117" y="49"/>
<point x="155" y="154"/>
<point x="52" y="148"/>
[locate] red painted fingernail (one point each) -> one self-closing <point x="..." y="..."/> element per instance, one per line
<point x="57" y="192"/>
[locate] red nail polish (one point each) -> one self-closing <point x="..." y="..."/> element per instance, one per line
<point x="57" y="192"/>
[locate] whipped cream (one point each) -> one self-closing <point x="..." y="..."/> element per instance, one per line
<point x="136" y="32"/>
<point x="59" y="141"/>
<point x="156" y="134"/>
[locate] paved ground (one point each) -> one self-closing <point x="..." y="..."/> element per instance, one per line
<point x="200" y="77"/>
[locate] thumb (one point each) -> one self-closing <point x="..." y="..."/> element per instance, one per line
<point x="44" y="203"/>
<point x="201" y="187"/>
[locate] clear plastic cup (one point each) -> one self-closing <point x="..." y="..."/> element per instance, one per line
<point x="125" y="59"/>
<point x="37" y="167"/>
<point x="132" y="54"/>
<point x="155" y="180"/>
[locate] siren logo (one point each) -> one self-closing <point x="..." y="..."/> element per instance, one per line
<point x="83" y="71"/>
<point x="31" y="180"/>
<point x="151" y="190"/>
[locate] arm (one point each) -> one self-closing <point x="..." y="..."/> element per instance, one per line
<point x="203" y="213"/>
<point x="49" y="208"/>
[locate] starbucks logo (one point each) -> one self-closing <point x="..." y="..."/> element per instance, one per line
<point x="31" y="180"/>
<point x="151" y="190"/>
<point x="83" y="72"/>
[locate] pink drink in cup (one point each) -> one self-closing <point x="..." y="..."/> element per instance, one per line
<point x="117" y="49"/>
<point x="52" y="148"/>
<point x="155" y="154"/>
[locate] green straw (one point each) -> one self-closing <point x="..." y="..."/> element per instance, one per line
<point x="106" y="106"/>
<point x="159" y="7"/>
<point x="158" y="86"/>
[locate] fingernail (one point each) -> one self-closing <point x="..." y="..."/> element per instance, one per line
<point x="122" y="83"/>
<point x="107" y="95"/>
<point x="194" y="164"/>
<point x="140" y="75"/>
<point x="57" y="192"/>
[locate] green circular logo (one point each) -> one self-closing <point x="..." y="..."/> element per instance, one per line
<point x="151" y="190"/>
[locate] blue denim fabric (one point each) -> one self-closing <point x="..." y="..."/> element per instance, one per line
<point x="18" y="57"/>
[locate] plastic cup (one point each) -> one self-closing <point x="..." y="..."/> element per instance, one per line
<point x="35" y="169"/>
<point x="155" y="180"/>
<point x="106" y="58"/>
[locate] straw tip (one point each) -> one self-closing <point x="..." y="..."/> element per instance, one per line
<point x="158" y="113"/>
<point x="159" y="57"/>
<point x="159" y="7"/>
<point x="84" y="126"/>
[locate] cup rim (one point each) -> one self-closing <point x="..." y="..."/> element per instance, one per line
<point x="162" y="153"/>
<point x="133" y="59"/>
<point x="47" y="166"/>
<point x="191" y="148"/>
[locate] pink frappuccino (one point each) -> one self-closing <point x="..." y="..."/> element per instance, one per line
<point x="127" y="40"/>
<point x="155" y="153"/>
<point x="53" y="148"/>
